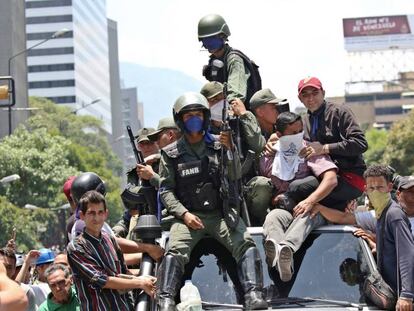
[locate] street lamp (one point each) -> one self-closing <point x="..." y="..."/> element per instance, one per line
<point x="57" y="34"/>
<point x="31" y="207"/>
<point x="87" y="105"/>
<point x="10" y="178"/>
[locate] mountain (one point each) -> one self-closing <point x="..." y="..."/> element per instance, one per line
<point x="158" y="88"/>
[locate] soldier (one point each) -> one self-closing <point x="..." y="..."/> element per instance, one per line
<point x="226" y="64"/>
<point x="132" y="196"/>
<point x="167" y="132"/>
<point x="190" y="183"/>
<point x="266" y="107"/>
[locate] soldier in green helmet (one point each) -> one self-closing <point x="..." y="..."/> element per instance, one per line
<point x="227" y="64"/>
<point x="190" y="184"/>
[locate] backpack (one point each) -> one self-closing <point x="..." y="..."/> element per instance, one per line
<point x="254" y="83"/>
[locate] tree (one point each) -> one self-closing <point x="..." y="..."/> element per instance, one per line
<point x="377" y="142"/>
<point x="54" y="145"/>
<point x="400" y="149"/>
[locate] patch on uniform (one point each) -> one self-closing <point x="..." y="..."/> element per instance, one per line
<point x="189" y="169"/>
<point x="171" y="150"/>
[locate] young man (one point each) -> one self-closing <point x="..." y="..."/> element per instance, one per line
<point x="286" y="229"/>
<point x="190" y="191"/>
<point x="395" y="244"/>
<point x="62" y="296"/>
<point x="98" y="264"/>
<point x="332" y="129"/>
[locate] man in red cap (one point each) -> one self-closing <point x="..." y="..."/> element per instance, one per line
<point x="333" y="130"/>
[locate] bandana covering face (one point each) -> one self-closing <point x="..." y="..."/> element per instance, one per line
<point x="287" y="160"/>
<point x="379" y="201"/>
<point x="212" y="43"/>
<point x="193" y="125"/>
<point x="217" y="110"/>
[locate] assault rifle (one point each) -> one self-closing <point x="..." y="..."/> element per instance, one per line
<point x="148" y="191"/>
<point x="231" y="192"/>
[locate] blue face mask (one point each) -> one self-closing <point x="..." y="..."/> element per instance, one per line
<point x="212" y="43"/>
<point x="193" y="125"/>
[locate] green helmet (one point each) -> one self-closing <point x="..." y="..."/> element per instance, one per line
<point x="191" y="101"/>
<point x="212" y="25"/>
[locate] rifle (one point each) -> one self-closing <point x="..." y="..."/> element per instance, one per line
<point x="149" y="192"/>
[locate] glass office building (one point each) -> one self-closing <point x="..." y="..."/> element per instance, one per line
<point x="74" y="68"/>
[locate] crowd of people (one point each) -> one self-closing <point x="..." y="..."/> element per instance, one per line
<point x="307" y="171"/>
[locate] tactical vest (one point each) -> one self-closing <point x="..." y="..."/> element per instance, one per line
<point x="197" y="182"/>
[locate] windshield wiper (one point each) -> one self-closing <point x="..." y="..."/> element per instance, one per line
<point x="342" y="303"/>
<point x="212" y="305"/>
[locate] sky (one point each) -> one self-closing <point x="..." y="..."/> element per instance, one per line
<point x="288" y="39"/>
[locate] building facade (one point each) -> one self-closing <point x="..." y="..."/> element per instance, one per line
<point x="74" y="68"/>
<point x="13" y="41"/>
<point x="132" y="115"/>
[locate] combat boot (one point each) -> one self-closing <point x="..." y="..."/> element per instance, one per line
<point x="251" y="278"/>
<point x="168" y="283"/>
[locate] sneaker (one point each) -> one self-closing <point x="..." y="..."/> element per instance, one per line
<point x="285" y="263"/>
<point x="271" y="248"/>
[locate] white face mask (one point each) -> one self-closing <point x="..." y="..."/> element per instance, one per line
<point x="287" y="160"/>
<point x="216" y="110"/>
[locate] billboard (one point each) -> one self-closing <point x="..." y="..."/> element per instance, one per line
<point x="378" y="33"/>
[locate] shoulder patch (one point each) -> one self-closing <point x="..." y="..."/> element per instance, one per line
<point x="215" y="145"/>
<point x="171" y="150"/>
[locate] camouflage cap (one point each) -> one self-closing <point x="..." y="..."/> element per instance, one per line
<point x="262" y="97"/>
<point x="143" y="134"/>
<point x="163" y="124"/>
<point x="211" y="89"/>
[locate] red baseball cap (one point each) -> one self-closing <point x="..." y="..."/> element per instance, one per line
<point x="66" y="187"/>
<point x="309" y="81"/>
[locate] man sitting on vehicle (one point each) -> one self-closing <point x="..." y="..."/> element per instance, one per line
<point x="284" y="233"/>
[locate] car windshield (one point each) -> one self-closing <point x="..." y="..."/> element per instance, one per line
<point x="330" y="265"/>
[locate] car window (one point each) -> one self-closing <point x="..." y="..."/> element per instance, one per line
<point x="330" y="265"/>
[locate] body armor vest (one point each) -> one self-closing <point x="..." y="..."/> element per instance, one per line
<point x="197" y="182"/>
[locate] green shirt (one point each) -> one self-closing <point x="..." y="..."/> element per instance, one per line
<point x="51" y="305"/>
<point x="237" y="77"/>
<point x="252" y="133"/>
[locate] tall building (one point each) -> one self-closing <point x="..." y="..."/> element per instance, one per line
<point x="13" y="41"/>
<point x="132" y="115"/>
<point x="72" y="69"/>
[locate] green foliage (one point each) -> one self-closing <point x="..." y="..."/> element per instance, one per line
<point x="400" y="149"/>
<point x="377" y="142"/>
<point x="54" y="145"/>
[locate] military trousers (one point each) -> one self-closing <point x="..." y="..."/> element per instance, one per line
<point x="183" y="239"/>
<point x="258" y="195"/>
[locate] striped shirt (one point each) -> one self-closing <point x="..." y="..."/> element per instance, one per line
<point x="92" y="261"/>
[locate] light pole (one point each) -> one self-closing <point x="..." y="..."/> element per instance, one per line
<point x="61" y="126"/>
<point x="87" y="105"/>
<point x="57" y="34"/>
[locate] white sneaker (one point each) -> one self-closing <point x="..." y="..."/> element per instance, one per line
<point x="271" y="249"/>
<point x="284" y="262"/>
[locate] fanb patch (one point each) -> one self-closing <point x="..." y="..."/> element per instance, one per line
<point x="189" y="169"/>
